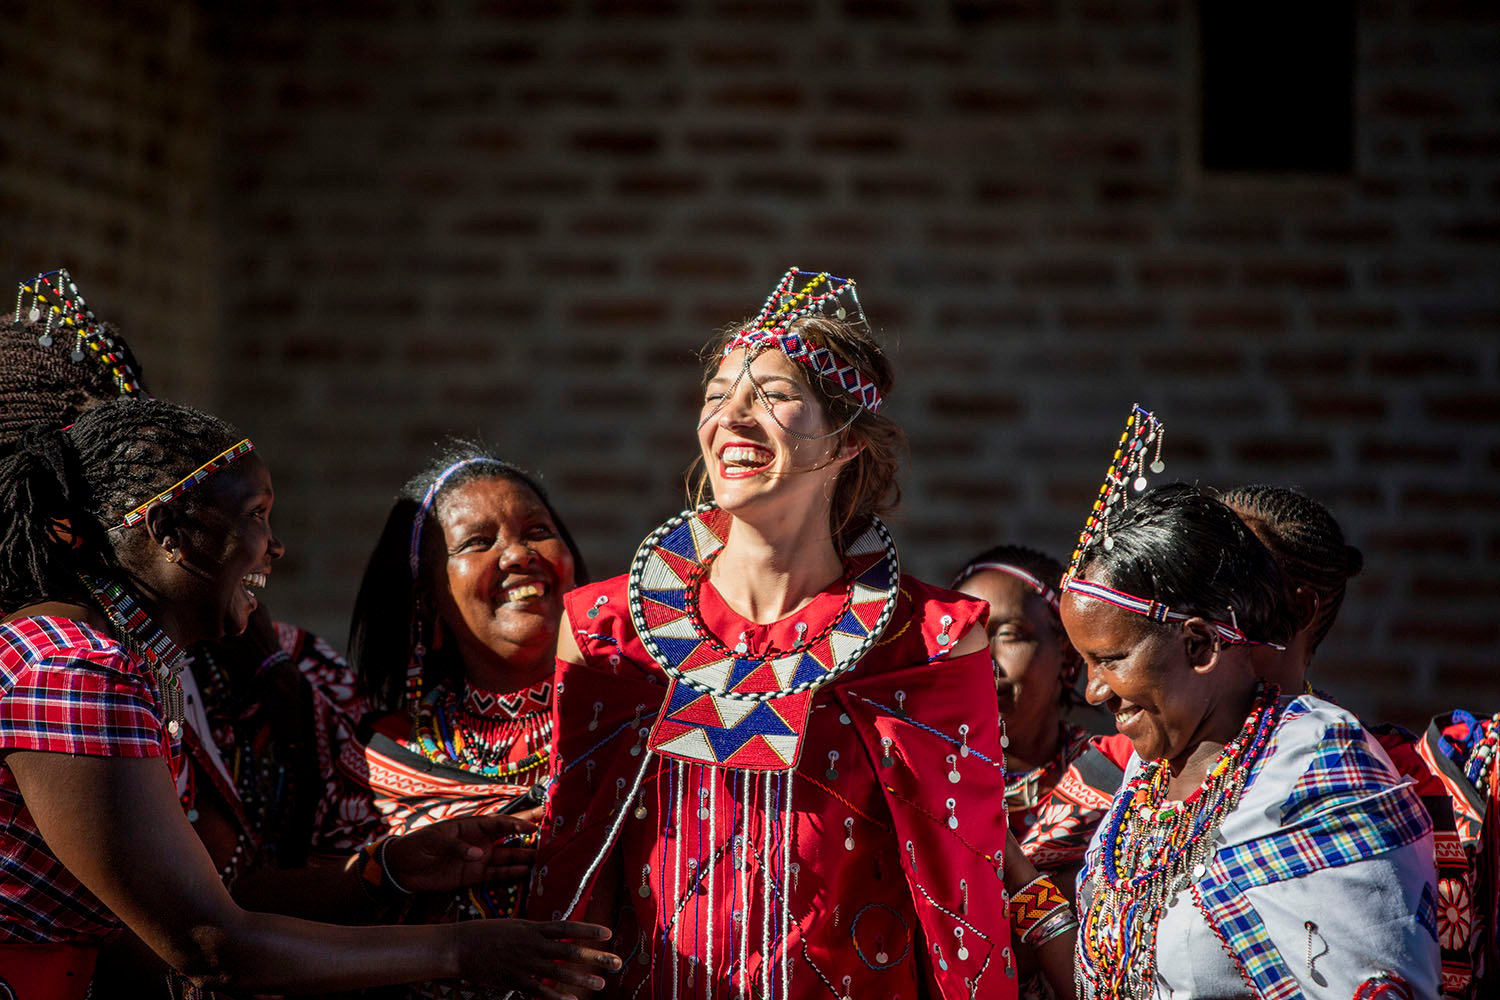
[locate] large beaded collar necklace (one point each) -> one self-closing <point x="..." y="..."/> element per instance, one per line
<point x="143" y="637"/>
<point x="1151" y="850"/>
<point x="728" y="706"/>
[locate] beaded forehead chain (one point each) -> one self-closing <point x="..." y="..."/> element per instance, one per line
<point x="56" y="294"/>
<point x="810" y="293"/>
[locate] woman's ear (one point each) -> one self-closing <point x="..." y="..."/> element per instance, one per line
<point x="1202" y="644"/>
<point x="1305" y="605"/>
<point x="164" y="528"/>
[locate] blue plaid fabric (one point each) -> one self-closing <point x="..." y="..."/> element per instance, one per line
<point x="1343" y="810"/>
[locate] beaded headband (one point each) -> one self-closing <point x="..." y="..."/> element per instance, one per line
<point x="198" y="475"/>
<point x="1009" y="569"/>
<point x="57" y="294"/>
<point x="428" y="499"/>
<point x="1127" y="471"/>
<point x="820" y="293"/>
<point x="1159" y="612"/>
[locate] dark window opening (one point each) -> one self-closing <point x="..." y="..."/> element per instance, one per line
<point x="1278" y="86"/>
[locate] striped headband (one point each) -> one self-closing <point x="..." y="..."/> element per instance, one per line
<point x="1009" y="569"/>
<point x="427" y="501"/>
<point x="220" y="461"/>
<point x="820" y="294"/>
<point x="1157" y="611"/>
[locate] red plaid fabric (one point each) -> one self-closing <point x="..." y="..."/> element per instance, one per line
<point x="64" y="688"/>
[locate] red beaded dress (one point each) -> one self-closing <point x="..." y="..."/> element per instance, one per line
<point x="845" y="845"/>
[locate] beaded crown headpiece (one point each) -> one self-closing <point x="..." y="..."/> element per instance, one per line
<point x="54" y="296"/>
<point x="811" y="293"/>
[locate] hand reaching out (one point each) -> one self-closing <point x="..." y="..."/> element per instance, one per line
<point x="460" y="852"/>
<point x="525" y="955"/>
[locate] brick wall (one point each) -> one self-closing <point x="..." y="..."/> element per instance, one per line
<point x="108" y="166"/>
<point x="520" y="218"/>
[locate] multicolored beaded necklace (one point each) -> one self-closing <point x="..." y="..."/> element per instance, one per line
<point x="1151" y="850"/>
<point x="145" y="639"/>
<point x="477" y="733"/>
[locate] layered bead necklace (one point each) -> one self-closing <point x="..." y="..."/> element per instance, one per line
<point x="144" y="638"/>
<point x="1151" y="849"/>
<point x="477" y="733"/>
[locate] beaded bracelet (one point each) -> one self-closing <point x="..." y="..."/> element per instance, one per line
<point x="375" y="875"/>
<point x="1059" y="923"/>
<point x="1037" y="900"/>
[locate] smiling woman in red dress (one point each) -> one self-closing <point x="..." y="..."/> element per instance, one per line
<point x="779" y="764"/>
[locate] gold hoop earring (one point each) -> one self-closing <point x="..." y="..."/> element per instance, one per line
<point x="173" y="555"/>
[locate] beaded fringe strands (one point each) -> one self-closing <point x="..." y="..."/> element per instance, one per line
<point x="1151" y="850"/>
<point x="146" y="639"/>
<point x="1139" y="451"/>
<point x="219" y="462"/>
<point x="54" y="296"/>
<point x="800" y="294"/>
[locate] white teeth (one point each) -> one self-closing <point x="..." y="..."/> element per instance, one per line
<point x="525" y="591"/>
<point x="744" y="456"/>
<point x="254" y="579"/>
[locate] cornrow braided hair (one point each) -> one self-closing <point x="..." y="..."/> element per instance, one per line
<point x="1306" y="541"/>
<point x="62" y="490"/>
<point x="43" y="386"/>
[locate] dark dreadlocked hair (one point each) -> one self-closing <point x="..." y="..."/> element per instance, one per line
<point x="1177" y="545"/>
<point x="380" y="629"/>
<point x="1306" y="541"/>
<point x="62" y="490"/>
<point x="43" y="386"/>
<point x="1049" y="571"/>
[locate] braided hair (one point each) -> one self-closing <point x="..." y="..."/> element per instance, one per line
<point x="1306" y="541"/>
<point x="43" y="386"/>
<point x="380" y="631"/>
<point x="62" y="490"/>
<point x="1177" y="545"/>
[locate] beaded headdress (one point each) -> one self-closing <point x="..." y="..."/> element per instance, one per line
<point x="224" y="458"/>
<point x="1126" y="473"/>
<point x="54" y="296"/>
<point x="1143" y="437"/>
<point x="810" y="293"/>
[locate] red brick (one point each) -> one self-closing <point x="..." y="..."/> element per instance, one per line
<point x="1448" y="500"/>
<point x="899" y="186"/>
<point x="703" y="267"/>
<point x="1310" y="275"/>
<point x="741" y="54"/>
<point x="1182" y="272"/>
<point x="1430" y="631"/>
<point x="622" y="142"/>
<point x="1402" y="454"/>
<point x="997" y="100"/>
<point x="1278" y="450"/>
<point x="1357" y="318"/>
<point x="1249" y="315"/>
<point x="973" y="233"/>
<point x="660" y="183"/>
<point x="883" y="98"/>
<point x="1419" y="543"/>
<point x="861" y="142"/>
<point x="781" y="183"/>
<point x="1339" y="406"/>
<point x="983" y="406"/>
<point x="734" y="141"/>
<point x="1464" y="145"/>
<point x="1465" y="407"/>
<point x="997" y="317"/>
<point x="1066" y="273"/>
<point x="1114" y="317"/>
<point x="1420" y="363"/>
<point x="1421" y="105"/>
<point x="1194" y="361"/>
<point x="1350" y="232"/>
<point x="762" y="97"/>
<point x="600" y="311"/>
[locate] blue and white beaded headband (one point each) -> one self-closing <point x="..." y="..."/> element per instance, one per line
<point x="820" y="294"/>
<point x="1047" y="593"/>
<point x="427" y="501"/>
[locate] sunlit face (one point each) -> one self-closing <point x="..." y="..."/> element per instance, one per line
<point x="504" y="569"/>
<point x="1027" y="648"/>
<point x="228" y="544"/>
<point x="763" y="434"/>
<point x="1142" y="675"/>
